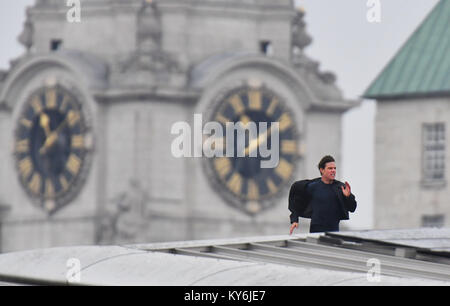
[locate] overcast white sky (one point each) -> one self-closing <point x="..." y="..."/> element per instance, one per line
<point x="345" y="43"/>
<point x="356" y="50"/>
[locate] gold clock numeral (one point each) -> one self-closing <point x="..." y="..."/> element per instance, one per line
<point x="73" y="117"/>
<point x="252" y="190"/>
<point x="271" y="185"/>
<point x="49" y="205"/>
<point x="73" y="164"/>
<point x="64" y="183"/>
<point x="235" y="183"/>
<point x="50" y="98"/>
<point x="77" y="142"/>
<point x="25" y="167"/>
<point x="35" y="183"/>
<point x="22" y="146"/>
<point x="36" y="104"/>
<point x="289" y="146"/>
<point x="285" y="121"/>
<point x="49" y="189"/>
<point x="272" y="106"/>
<point x="222" y="166"/>
<point x="284" y="169"/>
<point x="237" y="104"/>
<point x="221" y="118"/>
<point x="255" y="101"/>
<point x="245" y="120"/>
<point x="26" y="122"/>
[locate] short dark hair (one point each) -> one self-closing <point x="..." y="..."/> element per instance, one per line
<point x="326" y="159"/>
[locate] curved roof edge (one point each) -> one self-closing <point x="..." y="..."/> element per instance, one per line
<point x="151" y="264"/>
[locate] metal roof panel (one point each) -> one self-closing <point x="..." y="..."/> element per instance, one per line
<point x="305" y="259"/>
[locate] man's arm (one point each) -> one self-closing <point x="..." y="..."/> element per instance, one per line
<point x="349" y="198"/>
<point x="293" y="206"/>
<point x="350" y="203"/>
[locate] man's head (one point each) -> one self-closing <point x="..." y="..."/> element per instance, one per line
<point x="327" y="168"/>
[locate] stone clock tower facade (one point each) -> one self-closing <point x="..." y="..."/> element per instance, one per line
<point x="87" y="112"/>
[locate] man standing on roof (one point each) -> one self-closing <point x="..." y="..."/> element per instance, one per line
<point x="324" y="200"/>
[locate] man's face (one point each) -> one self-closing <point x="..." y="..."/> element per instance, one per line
<point x="329" y="172"/>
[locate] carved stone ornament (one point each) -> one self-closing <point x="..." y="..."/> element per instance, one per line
<point x="26" y="36"/>
<point x="300" y="39"/>
<point x="149" y="65"/>
<point x="123" y="218"/>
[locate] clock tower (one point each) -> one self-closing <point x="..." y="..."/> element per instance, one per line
<point x="86" y="116"/>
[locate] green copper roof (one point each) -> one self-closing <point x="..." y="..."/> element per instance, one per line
<point x="421" y="67"/>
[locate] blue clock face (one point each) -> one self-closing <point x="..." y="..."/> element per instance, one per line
<point x="52" y="145"/>
<point x="241" y="179"/>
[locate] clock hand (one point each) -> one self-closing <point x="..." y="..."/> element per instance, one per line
<point x="50" y="140"/>
<point x="244" y="120"/>
<point x="44" y="122"/>
<point x="255" y="143"/>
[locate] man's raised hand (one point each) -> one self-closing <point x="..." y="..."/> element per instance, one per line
<point x="346" y="190"/>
